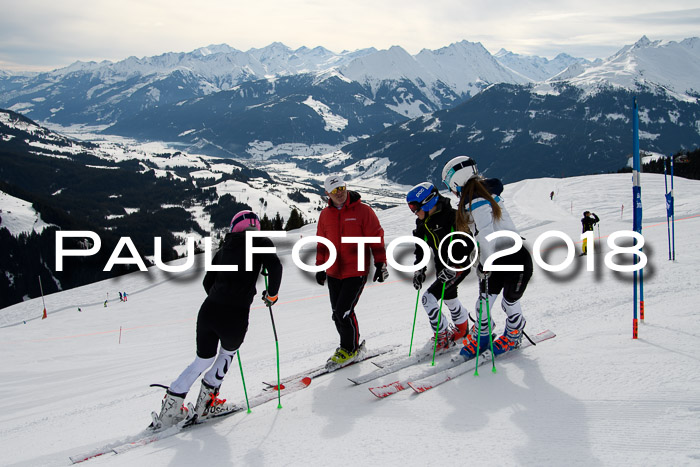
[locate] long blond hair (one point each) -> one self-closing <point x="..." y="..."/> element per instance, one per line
<point x="474" y="188"/>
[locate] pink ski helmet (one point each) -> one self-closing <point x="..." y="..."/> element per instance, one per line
<point x="245" y="220"/>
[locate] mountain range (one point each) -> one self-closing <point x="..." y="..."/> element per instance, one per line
<point x="219" y="100"/>
<point x="524" y="115"/>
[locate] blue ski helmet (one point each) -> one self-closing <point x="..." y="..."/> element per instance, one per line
<point x="422" y="196"/>
<point x="245" y="220"/>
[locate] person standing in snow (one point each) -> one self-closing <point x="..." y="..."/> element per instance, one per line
<point x="587" y="223"/>
<point x="435" y="219"/>
<point x="481" y="210"/>
<point x="347" y="216"/>
<point x="222" y="321"/>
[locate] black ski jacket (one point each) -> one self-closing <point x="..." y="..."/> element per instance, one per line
<point x="589" y="222"/>
<point x="437" y="226"/>
<point x="239" y="287"/>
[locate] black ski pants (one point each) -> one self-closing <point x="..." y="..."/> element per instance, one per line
<point x="344" y="295"/>
<point x="512" y="283"/>
<point x="220" y="322"/>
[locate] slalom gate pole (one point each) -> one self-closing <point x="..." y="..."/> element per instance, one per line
<point x="673" y="215"/>
<point x="245" y="391"/>
<point x="636" y="203"/>
<point x="413" y="329"/>
<point x="437" y="330"/>
<point x="277" y="349"/>
<point x="641" y="293"/>
<point x="41" y="288"/>
<point x="668" y="220"/>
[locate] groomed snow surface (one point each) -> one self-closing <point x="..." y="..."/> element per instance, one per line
<point x="591" y="396"/>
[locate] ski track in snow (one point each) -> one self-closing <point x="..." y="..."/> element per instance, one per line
<point x="591" y="396"/>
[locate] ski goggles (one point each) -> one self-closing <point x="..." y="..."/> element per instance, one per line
<point x="337" y="190"/>
<point x="414" y="206"/>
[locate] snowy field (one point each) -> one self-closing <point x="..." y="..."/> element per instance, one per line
<point x="591" y="396"/>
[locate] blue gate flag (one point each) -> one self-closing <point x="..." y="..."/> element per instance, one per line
<point x="669" y="204"/>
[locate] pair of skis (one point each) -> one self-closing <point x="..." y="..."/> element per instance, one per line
<point x="434" y="376"/>
<point x="288" y="385"/>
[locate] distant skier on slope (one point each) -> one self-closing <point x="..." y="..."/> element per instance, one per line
<point x="481" y="210"/>
<point x="347" y="216"/>
<point x="587" y="223"/>
<point x="223" y="318"/>
<point x="435" y="219"/>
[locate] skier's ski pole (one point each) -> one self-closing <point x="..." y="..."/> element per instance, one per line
<point x="437" y="330"/>
<point x="413" y="329"/>
<point x="478" y="327"/>
<point x="488" y="316"/>
<point x="245" y="391"/>
<point x="277" y="348"/>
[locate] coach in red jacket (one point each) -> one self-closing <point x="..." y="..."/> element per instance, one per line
<point x="347" y="216"/>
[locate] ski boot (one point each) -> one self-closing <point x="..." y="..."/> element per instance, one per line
<point x="343" y="357"/>
<point x="475" y="343"/>
<point x="461" y="330"/>
<point x="510" y="339"/>
<point x="172" y="411"/>
<point x="208" y="404"/>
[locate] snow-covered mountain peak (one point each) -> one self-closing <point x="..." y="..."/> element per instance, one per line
<point x="647" y="63"/>
<point x="392" y="63"/>
<point x="536" y="68"/>
<point x="215" y="49"/>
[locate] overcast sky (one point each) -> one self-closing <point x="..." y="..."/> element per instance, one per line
<point x="38" y="35"/>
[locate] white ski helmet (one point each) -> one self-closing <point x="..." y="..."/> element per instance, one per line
<point x="458" y="171"/>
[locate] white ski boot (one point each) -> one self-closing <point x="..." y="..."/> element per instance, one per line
<point x="172" y="411"/>
<point x="208" y="404"/>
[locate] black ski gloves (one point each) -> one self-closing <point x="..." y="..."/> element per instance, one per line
<point x="268" y="299"/>
<point x="321" y="277"/>
<point x="418" y="278"/>
<point x="380" y="273"/>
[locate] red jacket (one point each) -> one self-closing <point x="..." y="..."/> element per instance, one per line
<point x="354" y="219"/>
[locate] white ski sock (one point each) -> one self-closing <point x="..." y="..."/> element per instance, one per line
<point x="215" y="376"/>
<point x="514" y="312"/>
<point x="432" y="307"/>
<point x="457" y="311"/>
<point x="184" y="382"/>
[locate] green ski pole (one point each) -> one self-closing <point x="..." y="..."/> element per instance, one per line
<point x="488" y="316"/>
<point x="415" y="314"/>
<point x="478" y="327"/>
<point x="245" y="391"/>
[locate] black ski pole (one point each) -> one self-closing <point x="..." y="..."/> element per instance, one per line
<point x="277" y="349"/>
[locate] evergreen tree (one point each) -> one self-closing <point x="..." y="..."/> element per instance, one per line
<point x="295" y="220"/>
<point x="278" y="222"/>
